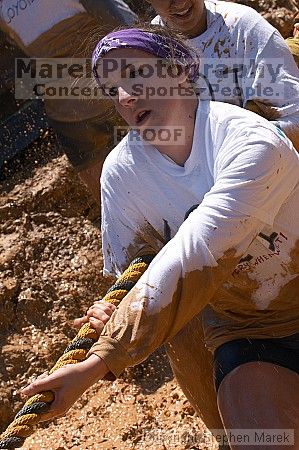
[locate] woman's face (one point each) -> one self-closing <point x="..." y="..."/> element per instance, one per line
<point x="186" y="16"/>
<point x="146" y="91"/>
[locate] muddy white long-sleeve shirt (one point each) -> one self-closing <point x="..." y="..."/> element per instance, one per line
<point x="235" y="255"/>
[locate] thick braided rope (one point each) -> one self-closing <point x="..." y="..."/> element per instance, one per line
<point x="29" y="416"/>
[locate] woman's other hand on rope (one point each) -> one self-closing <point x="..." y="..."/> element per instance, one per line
<point x="68" y="383"/>
<point x="97" y="315"/>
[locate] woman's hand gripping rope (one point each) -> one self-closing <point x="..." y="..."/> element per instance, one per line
<point x="53" y="395"/>
<point x="97" y="315"/>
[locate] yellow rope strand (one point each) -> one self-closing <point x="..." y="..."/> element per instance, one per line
<point x="29" y="416"/>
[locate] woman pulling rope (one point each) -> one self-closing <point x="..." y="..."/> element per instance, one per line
<point x="218" y="199"/>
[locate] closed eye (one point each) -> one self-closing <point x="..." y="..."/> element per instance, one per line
<point x="130" y="70"/>
<point x="110" y="91"/>
<point x="136" y="73"/>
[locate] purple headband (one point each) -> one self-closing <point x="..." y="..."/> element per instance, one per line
<point x="155" y="44"/>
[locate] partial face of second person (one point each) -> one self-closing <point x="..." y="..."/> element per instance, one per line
<point x="187" y="16"/>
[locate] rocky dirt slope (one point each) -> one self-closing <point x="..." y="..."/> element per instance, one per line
<point x="280" y="13"/>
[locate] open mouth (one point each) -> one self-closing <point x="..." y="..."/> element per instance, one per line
<point x="142" y="117"/>
<point x="184" y="14"/>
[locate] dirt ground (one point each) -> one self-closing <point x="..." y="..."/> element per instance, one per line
<point x="280" y="13"/>
<point x="50" y="272"/>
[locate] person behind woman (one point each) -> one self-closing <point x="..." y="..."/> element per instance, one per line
<point x="219" y="207"/>
<point x="244" y="58"/>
